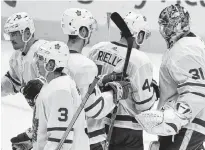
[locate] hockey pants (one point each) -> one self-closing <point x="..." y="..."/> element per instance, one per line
<point x="185" y="140"/>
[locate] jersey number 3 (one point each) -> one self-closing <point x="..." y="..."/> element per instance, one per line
<point x="63" y="115"/>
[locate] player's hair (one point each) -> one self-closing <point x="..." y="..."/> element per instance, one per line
<point x="59" y="70"/>
<point x="72" y="38"/>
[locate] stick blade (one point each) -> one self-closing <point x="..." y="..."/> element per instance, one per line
<point x="120" y="23"/>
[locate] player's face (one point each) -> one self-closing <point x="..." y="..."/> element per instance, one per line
<point x="165" y="30"/>
<point x="16" y="40"/>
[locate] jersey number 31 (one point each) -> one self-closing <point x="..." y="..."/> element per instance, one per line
<point x="197" y="73"/>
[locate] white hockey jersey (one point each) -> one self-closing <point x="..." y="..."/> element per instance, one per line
<point x="55" y="107"/>
<point x="22" y="70"/>
<point x="182" y="79"/>
<point x="82" y="70"/>
<point x="109" y="57"/>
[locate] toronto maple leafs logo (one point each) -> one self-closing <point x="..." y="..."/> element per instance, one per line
<point x="78" y="13"/>
<point x="114" y="48"/>
<point x="57" y="46"/>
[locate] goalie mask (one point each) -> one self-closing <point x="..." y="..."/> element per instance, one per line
<point x="174" y="23"/>
<point x="50" y="56"/>
<point x="19" y="22"/>
<point x="137" y="23"/>
<point x="75" y="18"/>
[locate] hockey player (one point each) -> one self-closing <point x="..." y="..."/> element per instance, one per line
<point x="109" y="57"/>
<point x="19" y="29"/>
<point x="181" y="110"/>
<point x="57" y="102"/>
<point x="79" y="25"/>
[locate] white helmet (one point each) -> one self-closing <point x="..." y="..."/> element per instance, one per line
<point x="136" y="23"/>
<point x="75" y="18"/>
<point x="56" y="51"/>
<point x="19" y="22"/>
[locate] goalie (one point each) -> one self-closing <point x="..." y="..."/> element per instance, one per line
<point x="182" y="100"/>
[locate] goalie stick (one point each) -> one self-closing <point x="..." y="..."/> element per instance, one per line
<point x="120" y="23"/>
<point x="77" y="113"/>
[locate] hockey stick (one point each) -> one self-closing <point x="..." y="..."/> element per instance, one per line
<point x="108" y="25"/>
<point x="120" y="23"/>
<point x="77" y="113"/>
<point x="117" y="19"/>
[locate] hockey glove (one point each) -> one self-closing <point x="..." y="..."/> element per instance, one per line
<point x="32" y="89"/>
<point x="120" y="89"/>
<point x="22" y="141"/>
<point x="156" y="88"/>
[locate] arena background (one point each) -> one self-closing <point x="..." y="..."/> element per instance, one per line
<point x="47" y="16"/>
<point x="15" y="112"/>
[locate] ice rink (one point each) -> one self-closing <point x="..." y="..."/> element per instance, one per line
<point x="16" y="115"/>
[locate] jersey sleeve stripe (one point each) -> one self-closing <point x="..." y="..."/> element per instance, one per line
<point x="195" y="93"/>
<point x="58" y="129"/>
<point x="94" y="104"/>
<point x="173" y="126"/>
<point x="191" y="84"/>
<point x="199" y="122"/>
<point x="102" y="106"/>
<point x="96" y="133"/>
<point x="58" y="140"/>
<point x="12" y="79"/>
<point x="123" y="118"/>
<point x="145" y="101"/>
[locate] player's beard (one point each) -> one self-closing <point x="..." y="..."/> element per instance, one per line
<point x="16" y="45"/>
